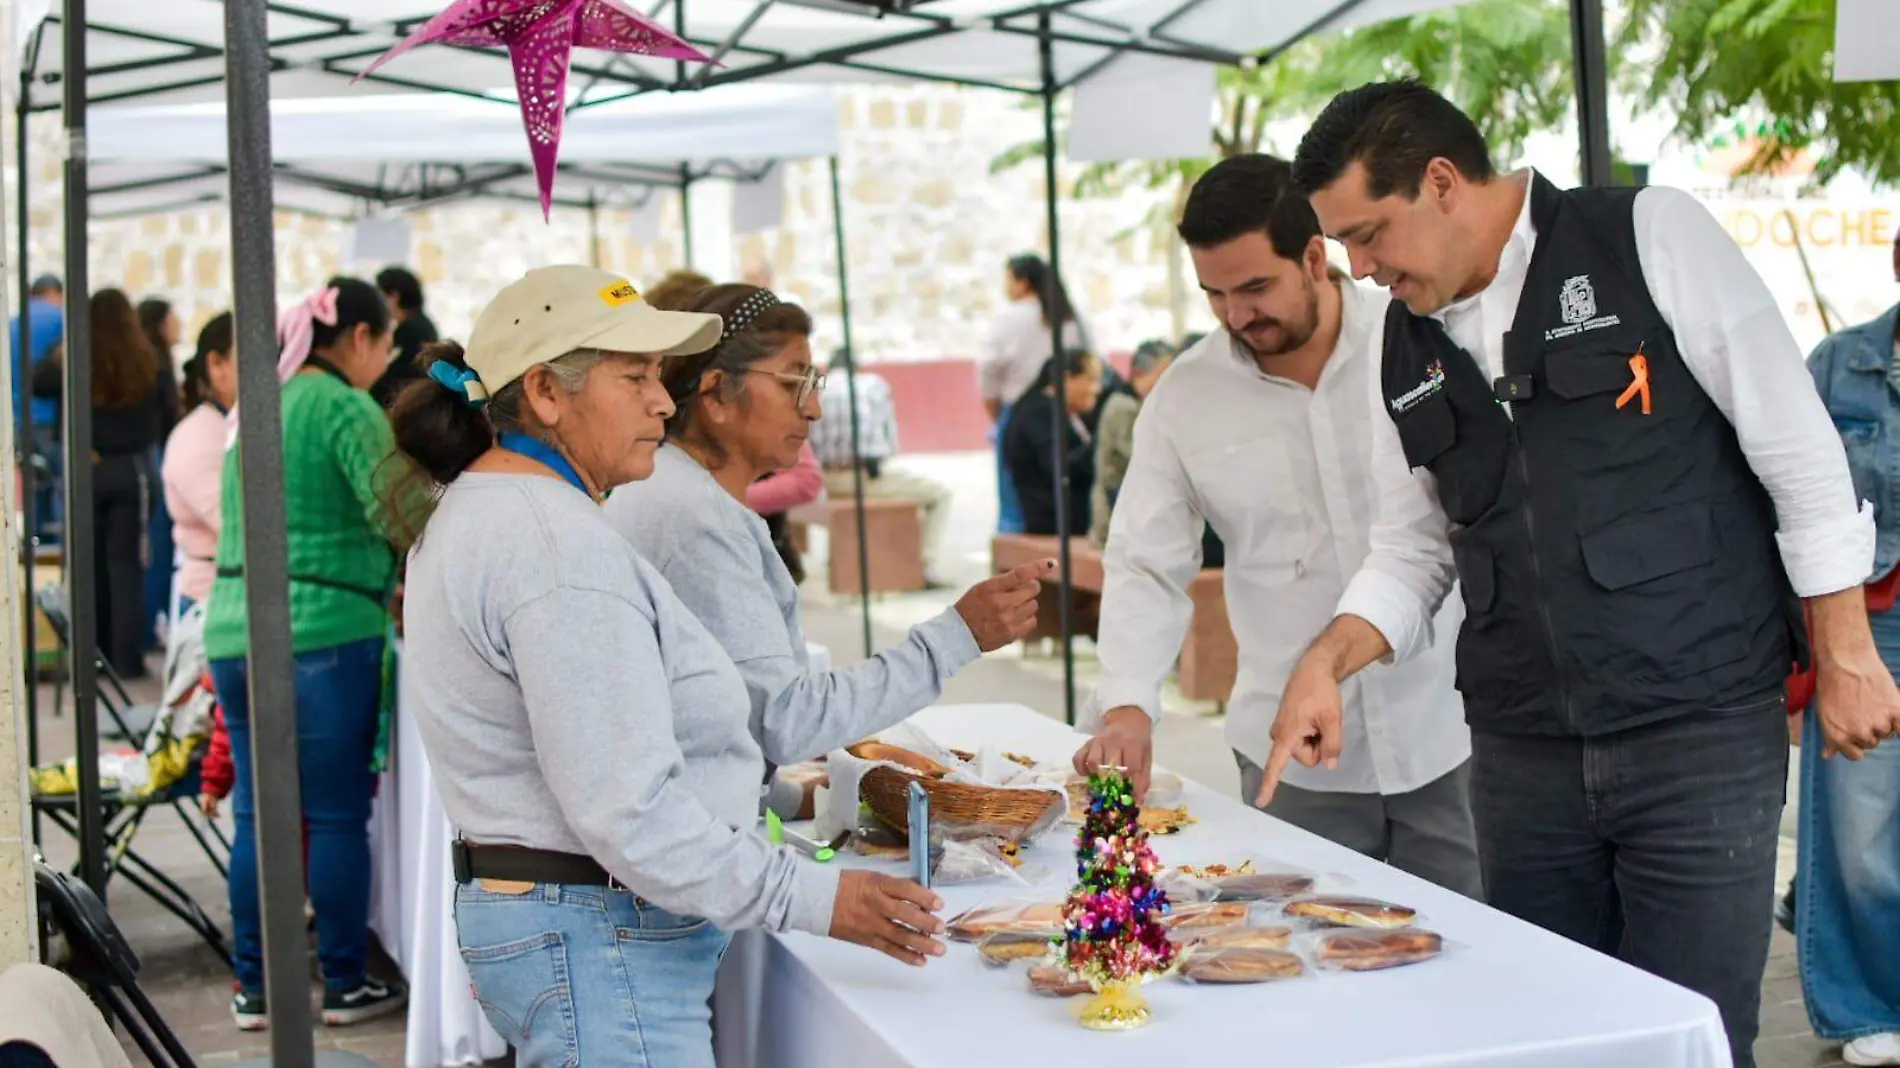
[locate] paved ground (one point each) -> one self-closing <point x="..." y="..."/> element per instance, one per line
<point x="191" y="987"/>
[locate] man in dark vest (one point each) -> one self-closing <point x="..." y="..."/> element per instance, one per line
<point x="1596" y="421"/>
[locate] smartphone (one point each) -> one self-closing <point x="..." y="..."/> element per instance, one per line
<point x="919" y="835"/>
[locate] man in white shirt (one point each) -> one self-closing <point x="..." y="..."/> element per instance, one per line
<point x="1594" y="418"/>
<point x="1262" y="430"/>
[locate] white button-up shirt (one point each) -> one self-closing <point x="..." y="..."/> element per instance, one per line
<point x="1284" y="475"/>
<point x="1735" y="345"/>
<point x="1020" y="343"/>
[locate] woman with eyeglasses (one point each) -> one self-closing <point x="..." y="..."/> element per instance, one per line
<point x="743" y="409"/>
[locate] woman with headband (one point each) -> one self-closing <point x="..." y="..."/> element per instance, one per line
<point x="334" y="346"/>
<point x="588" y="736"/>
<point x="743" y="408"/>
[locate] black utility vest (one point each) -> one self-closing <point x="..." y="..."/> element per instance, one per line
<point x="1618" y="568"/>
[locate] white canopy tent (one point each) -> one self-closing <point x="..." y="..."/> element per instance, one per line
<point x="335" y="156"/>
<point x="174" y="51"/>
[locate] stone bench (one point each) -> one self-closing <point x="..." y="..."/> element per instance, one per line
<point x="896" y="542"/>
<point x="1209" y="655"/>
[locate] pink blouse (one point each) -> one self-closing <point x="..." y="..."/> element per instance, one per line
<point x="802" y="484"/>
<point x="193" y="476"/>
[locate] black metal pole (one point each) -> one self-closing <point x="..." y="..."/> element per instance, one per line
<point x="24" y="447"/>
<point x="686" y="215"/>
<point x="593" y="229"/>
<point x="851" y="397"/>
<point x="1593" y="108"/>
<point x="276" y="793"/>
<point x="78" y="534"/>
<point x="1059" y="412"/>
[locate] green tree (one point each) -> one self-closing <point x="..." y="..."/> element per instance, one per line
<point x="1761" y="68"/>
<point x="1506" y="62"/>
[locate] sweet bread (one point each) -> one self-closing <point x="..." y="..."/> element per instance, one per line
<point x="1353" y="912"/>
<point x="1366" y="951"/>
<point x="1054" y="980"/>
<point x="1043" y="919"/>
<point x="1240" y="938"/>
<point x="1206" y="914"/>
<point x="1243" y="966"/>
<point x="892" y="754"/>
<point x="1264" y="886"/>
<point x="1010" y="946"/>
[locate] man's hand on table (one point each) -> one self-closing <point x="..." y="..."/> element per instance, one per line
<point x="1126" y="740"/>
<point x="888" y="914"/>
<point x="1001" y="610"/>
<point x="1854" y="693"/>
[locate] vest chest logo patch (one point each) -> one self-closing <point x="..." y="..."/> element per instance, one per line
<point x="1577" y="302"/>
<point x="1434" y="382"/>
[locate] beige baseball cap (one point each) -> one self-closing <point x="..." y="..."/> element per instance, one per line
<point x="552" y="311"/>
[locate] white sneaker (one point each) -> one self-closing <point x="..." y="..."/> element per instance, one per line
<point x="1873" y="1049"/>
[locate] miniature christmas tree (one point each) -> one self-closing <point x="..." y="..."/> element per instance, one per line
<point x="1112" y="933"/>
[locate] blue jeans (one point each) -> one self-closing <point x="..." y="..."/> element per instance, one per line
<point x="1848" y="878"/>
<point x="337" y="703"/>
<point x="1655" y="844"/>
<point x="1009" y="511"/>
<point x="586" y="975"/>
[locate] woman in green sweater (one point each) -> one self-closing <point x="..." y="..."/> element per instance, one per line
<point x="336" y="437"/>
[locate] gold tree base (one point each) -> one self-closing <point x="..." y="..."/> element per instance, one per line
<point x="1116" y="1007"/>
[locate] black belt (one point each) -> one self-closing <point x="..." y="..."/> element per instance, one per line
<point x="522" y="865"/>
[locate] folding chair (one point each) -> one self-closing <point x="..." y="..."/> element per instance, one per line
<point x="125" y="811"/>
<point x="100" y="959"/>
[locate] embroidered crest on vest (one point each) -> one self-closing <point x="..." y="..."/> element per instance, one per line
<point x="1577" y="301"/>
<point x="1434" y="382"/>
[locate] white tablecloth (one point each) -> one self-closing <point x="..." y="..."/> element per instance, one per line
<point x="411" y="910"/>
<point x="1505" y="995"/>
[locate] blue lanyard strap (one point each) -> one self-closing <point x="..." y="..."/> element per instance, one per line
<point x="517" y="442"/>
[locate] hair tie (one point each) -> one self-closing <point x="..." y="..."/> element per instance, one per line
<point x="749" y="310"/>
<point x="467" y="384"/>
<point x="296" y="333"/>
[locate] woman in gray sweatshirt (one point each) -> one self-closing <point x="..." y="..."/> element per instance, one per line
<point x="589" y="737"/>
<point x="744" y="409"/>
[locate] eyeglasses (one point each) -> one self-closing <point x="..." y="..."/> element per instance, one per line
<point x="809" y="383"/>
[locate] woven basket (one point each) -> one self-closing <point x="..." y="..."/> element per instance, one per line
<point x="963" y="810"/>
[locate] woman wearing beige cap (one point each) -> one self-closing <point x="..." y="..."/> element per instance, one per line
<point x="589" y="736"/>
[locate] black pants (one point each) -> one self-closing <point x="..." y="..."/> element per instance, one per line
<point x="121" y="495"/>
<point x="1655" y="844"/>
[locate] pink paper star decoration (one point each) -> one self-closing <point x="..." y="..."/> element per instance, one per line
<point x="539" y="36"/>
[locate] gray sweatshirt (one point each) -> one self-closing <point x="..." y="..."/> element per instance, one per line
<point x="718" y="556"/>
<point x="569" y="701"/>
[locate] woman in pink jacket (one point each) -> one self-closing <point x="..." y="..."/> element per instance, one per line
<point x="194" y="461"/>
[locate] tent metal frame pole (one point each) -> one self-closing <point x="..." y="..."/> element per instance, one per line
<point x="24" y="450"/>
<point x="686" y="215"/>
<point x="78" y="533"/>
<point x="593" y="229"/>
<point x="1059" y="412"/>
<point x="851" y="398"/>
<point x="270" y="667"/>
<point x="1590" y="66"/>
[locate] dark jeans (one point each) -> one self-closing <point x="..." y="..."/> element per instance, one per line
<point x="1655" y="844"/>
<point x="338" y="690"/>
<point x="122" y="489"/>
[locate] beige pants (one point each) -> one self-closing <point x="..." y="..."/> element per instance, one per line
<point x="895" y="483"/>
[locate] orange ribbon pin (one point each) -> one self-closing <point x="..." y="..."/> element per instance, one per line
<point x="1639" y="381"/>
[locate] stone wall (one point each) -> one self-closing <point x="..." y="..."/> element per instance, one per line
<point x="928" y="230"/>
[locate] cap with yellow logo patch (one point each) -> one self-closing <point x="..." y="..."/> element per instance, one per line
<point x="552" y="311"/>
